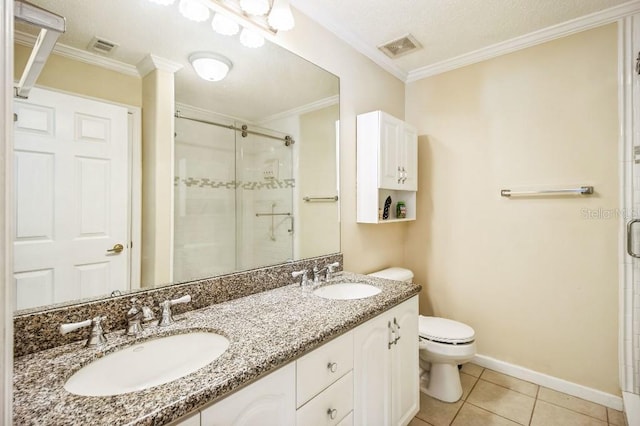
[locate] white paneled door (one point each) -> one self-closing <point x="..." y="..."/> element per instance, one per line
<point x="71" y="198"/>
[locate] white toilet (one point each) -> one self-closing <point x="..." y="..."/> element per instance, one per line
<point x="444" y="345"/>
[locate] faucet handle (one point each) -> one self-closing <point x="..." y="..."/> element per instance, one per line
<point x="331" y="269"/>
<point x="167" y="316"/>
<point x="301" y="273"/>
<point x="96" y="338"/>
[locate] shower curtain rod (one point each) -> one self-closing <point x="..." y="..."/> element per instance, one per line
<point x="288" y="140"/>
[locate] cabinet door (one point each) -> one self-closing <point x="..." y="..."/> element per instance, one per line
<point x="270" y="401"/>
<point x="388" y="160"/>
<point x="372" y="373"/>
<point x="405" y="384"/>
<point x="409" y="158"/>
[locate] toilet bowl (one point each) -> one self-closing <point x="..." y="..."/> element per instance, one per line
<point x="444" y="345"/>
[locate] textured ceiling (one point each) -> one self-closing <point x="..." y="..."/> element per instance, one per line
<point x="445" y="28"/>
<point x="263" y="82"/>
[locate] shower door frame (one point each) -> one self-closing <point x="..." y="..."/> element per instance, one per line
<point x="629" y="267"/>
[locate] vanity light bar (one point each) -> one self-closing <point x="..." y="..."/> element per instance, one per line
<point x="233" y="11"/>
<point x="51" y="26"/>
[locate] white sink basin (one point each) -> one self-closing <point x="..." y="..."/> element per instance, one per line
<point x="347" y="291"/>
<point x="147" y="364"/>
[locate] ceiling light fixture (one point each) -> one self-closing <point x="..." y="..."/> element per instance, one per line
<point x="224" y="25"/>
<point x="210" y="66"/>
<point x="194" y="10"/>
<point x="280" y="17"/>
<point x="255" y="7"/>
<point x="251" y="39"/>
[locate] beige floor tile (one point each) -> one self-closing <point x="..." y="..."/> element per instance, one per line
<point x="572" y="403"/>
<point x="436" y="412"/>
<point x="502" y="401"/>
<point x="472" y="369"/>
<point x="467" y="382"/>
<point x="512" y="383"/>
<point x="417" y="422"/>
<point x="616" y="417"/>
<point x="470" y="415"/>
<point x="546" y="414"/>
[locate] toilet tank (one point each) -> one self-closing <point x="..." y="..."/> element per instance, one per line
<point x="395" y="273"/>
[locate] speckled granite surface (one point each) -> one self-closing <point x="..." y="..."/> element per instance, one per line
<point x="37" y="331"/>
<point x="266" y="330"/>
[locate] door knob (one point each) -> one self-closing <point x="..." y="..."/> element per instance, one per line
<point x="116" y="249"/>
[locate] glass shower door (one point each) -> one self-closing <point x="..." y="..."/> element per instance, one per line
<point x="264" y="199"/>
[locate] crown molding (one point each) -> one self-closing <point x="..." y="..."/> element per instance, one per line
<point x="318" y="15"/>
<point x="564" y="29"/>
<point x="79" y="55"/>
<point x="304" y="109"/>
<point x="153" y="62"/>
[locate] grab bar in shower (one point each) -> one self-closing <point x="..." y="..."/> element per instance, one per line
<point x="583" y="190"/>
<point x="321" y="199"/>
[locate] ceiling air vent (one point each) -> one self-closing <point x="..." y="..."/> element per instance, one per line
<point x="401" y="46"/>
<point x="103" y="46"/>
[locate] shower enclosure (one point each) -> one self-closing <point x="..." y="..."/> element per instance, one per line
<point x="233" y="197"/>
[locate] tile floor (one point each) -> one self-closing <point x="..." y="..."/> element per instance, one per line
<point x="491" y="398"/>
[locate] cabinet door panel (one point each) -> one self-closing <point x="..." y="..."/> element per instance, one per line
<point x="410" y="158"/>
<point x="372" y="373"/>
<point x="270" y="401"/>
<point x="390" y="140"/>
<point x="404" y="364"/>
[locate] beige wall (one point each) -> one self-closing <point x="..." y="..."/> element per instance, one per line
<point x="536" y="280"/>
<point x="318" y="229"/>
<point x="364" y="87"/>
<point x="77" y="77"/>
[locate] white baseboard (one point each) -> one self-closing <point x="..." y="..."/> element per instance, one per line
<point x="632" y="407"/>
<point x="560" y="385"/>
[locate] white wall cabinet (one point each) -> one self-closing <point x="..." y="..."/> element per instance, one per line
<point x="367" y="376"/>
<point x="387" y="165"/>
<point x="385" y="360"/>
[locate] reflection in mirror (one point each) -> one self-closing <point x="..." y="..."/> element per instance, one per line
<point x="130" y="172"/>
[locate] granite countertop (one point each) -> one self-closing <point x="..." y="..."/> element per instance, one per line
<point x="266" y="331"/>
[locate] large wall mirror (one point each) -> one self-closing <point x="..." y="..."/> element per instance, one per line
<point x="132" y="172"/>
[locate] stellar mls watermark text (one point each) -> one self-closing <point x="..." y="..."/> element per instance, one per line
<point x="608" y="214"/>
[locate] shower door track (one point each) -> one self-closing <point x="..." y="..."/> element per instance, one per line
<point x="288" y="140"/>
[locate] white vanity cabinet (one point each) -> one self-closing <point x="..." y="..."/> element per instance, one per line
<point x="387" y="165"/>
<point x="385" y="359"/>
<point x="365" y="377"/>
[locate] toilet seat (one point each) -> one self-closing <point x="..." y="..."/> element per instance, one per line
<point x="446" y="331"/>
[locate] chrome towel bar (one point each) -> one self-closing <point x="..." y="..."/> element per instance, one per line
<point x="321" y="199"/>
<point x="583" y="190"/>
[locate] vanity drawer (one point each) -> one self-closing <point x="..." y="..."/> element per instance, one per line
<point x="336" y="399"/>
<point x="320" y="368"/>
<point x="347" y="421"/>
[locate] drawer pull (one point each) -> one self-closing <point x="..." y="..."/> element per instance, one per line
<point x="332" y="366"/>
<point x="332" y="412"/>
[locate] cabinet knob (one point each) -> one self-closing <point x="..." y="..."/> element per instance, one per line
<point x="332" y="366"/>
<point x="333" y="413"/>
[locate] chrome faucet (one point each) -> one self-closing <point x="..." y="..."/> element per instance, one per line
<point x="167" y="316"/>
<point x="135" y="318"/>
<point x="96" y="337"/>
<point x="304" y="280"/>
